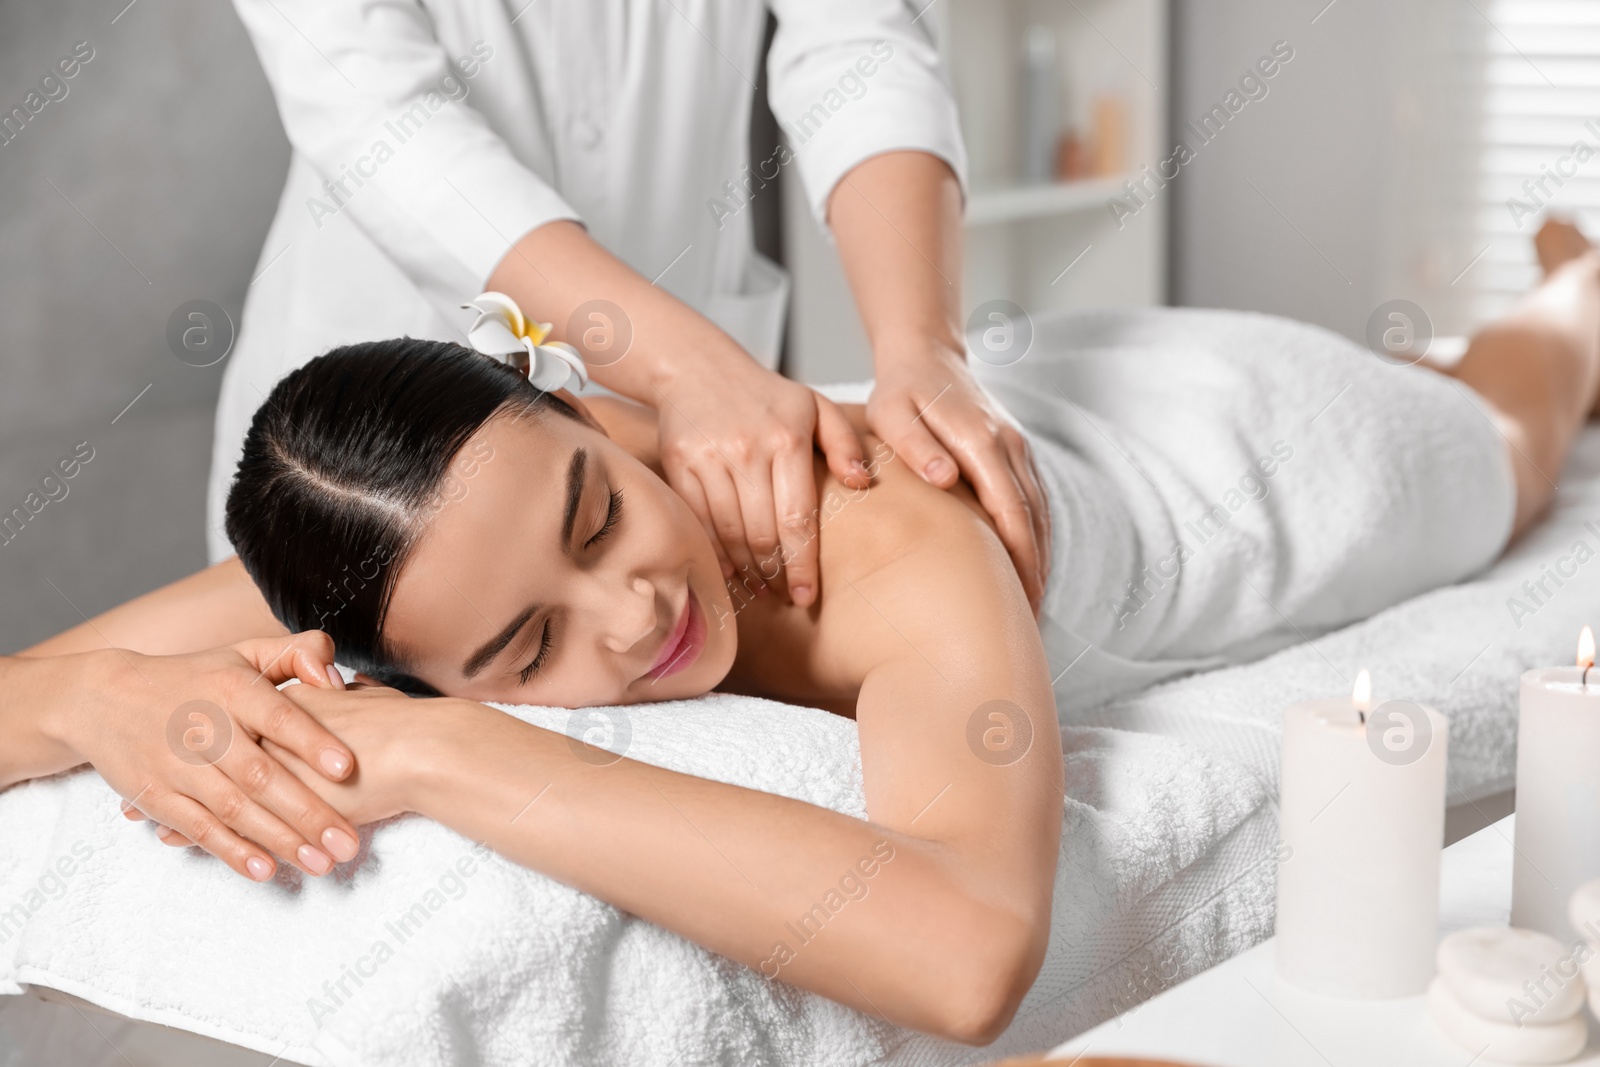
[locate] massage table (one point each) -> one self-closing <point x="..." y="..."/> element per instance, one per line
<point x="1168" y="863"/>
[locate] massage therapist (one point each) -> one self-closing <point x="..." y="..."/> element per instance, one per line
<point x="590" y="158"/>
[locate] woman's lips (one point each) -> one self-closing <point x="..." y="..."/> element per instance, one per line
<point x="684" y="645"/>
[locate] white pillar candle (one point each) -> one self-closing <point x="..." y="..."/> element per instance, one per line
<point x="1558" y="792"/>
<point x="1361" y="819"/>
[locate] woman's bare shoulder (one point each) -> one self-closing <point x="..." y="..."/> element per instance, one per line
<point x="899" y="511"/>
<point x="904" y="552"/>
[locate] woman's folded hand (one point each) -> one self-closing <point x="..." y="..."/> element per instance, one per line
<point x="383" y="727"/>
<point x="181" y="738"/>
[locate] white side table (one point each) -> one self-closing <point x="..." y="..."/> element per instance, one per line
<point x="1239" y="1014"/>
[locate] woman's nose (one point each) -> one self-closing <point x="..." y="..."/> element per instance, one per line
<point x="634" y="610"/>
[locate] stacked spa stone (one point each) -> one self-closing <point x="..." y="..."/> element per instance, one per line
<point x="1512" y="995"/>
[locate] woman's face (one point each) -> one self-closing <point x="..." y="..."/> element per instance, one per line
<point x="561" y="571"/>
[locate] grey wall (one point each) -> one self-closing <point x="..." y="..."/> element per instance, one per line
<point x="1347" y="185"/>
<point x="169" y="150"/>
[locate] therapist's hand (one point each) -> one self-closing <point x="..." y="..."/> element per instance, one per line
<point x="201" y="773"/>
<point x="931" y="410"/>
<point x="737" y="445"/>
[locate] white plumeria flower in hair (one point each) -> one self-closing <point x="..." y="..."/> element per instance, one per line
<point x="503" y="332"/>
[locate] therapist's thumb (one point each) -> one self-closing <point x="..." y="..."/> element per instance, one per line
<point x="841" y="445"/>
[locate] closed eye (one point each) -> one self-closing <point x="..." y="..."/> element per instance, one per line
<point x="539" y="657"/>
<point x="613" y="515"/>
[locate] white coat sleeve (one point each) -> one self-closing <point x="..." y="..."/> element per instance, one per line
<point x="368" y="95"/>
<point x="851" y="79"/>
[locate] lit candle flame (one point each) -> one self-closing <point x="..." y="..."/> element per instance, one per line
<point x="1586" y="648"/>
<point x="1361" y="695"/>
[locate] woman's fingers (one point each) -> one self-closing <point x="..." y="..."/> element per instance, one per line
<point x="168" y="836"/>
<point x="200" y="827"/>
<point x="306" y="656"/>
<point x="256" y="816"/>
<point x="268" y="713"/>
<point x="283" y="720"/>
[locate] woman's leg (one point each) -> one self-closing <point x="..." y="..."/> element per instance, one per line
<point x="1538" y="368"/>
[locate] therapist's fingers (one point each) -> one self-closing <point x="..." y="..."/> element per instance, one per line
<point x="687" y="485"/>
<point x="915" y="442"/>
<point x="1026" y="473"/>
<point x="727" y="520"/>
<point x="794" y="491"/>
<point x="987" y="466"/>
<point x="840" y="445"/>
<point x="760" y="521"/>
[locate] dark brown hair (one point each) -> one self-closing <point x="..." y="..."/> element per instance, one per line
<point x="342" y="465"/>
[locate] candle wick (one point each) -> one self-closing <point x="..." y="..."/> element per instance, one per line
<point x="1587" y="667"/>
<point x="1362" y="715"/>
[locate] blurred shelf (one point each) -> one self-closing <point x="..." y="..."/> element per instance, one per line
<point x="988" y="206"/>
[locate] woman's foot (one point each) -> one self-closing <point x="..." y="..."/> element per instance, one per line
<point x="1558" y="241"/>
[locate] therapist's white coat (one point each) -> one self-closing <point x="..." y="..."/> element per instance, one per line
<point x="629" y="115"/>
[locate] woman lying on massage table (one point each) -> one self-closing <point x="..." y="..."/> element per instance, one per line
<point x="451" y="530"/>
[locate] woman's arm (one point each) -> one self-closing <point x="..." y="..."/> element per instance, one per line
<point x="934" y="914"/>
<point x="168" y="696"/>
<point x="217" y="606"/>
<point x="886" y="918"/>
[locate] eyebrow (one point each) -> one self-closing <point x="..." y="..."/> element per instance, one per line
<point x="490" y="649"/>
<point x="580" y="459"/>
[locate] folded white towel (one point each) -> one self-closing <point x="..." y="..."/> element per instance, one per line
<point x="430" y="951"/>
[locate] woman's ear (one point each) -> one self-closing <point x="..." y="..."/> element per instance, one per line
<point x="571" y="400"/>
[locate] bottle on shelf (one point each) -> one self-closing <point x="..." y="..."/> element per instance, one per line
<point x="1041" y="99"/>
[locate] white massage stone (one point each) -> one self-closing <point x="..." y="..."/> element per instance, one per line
<point x="1488" y="968"/>
<point x="1584" y="911"/>
<point x="1502" y="1042"/>
<point x="1591" y="969"/>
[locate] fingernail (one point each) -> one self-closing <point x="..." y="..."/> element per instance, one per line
<point x="312" y="860"/>
<point x="859" y="469"/>
<point x="727" y="569"/>
<point x="259" y="868"/>
<point x="801" y="593"/>
<point x="937" y="470"/>
<point x="339" y="843"/>
<point x="335" y="764"/>
<point x="335" y="679"/>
